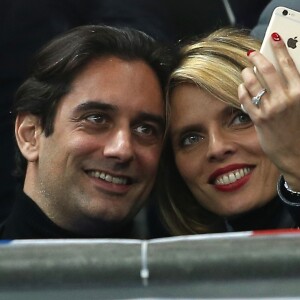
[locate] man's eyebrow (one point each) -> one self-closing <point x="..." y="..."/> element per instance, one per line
<point x="153" y="118"/>
<point x="88" y="105"/>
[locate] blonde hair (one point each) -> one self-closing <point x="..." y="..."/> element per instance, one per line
<point x="214" y="64"/>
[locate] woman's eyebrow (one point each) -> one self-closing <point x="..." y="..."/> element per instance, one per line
<point x="229" y="110"/>
<point x="188" y="128"/>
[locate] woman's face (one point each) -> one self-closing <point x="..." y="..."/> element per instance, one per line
<point x="218" y="154"/>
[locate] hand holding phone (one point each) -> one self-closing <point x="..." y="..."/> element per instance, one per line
<point x="285" y="22"/>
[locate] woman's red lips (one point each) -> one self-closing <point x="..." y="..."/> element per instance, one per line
<point x="226" y="170"/>
<point x="231" y="178"/>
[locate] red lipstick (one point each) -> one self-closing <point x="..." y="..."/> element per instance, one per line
<point x="230" y="187"/>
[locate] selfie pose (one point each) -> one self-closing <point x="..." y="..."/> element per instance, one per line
<point x="227" y="167"/>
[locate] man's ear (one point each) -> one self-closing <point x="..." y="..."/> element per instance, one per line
<point x="28" y="131"/>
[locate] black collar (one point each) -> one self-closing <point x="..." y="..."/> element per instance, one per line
<point x="27" y="221"/>
<point x="271" y="216"/>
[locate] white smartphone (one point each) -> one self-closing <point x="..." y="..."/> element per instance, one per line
<point x="285" y="22"/>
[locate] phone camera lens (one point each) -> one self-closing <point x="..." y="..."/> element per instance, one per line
<point x="285" y="12"/>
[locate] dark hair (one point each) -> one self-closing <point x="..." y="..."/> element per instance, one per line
<point x="60" y="61"/>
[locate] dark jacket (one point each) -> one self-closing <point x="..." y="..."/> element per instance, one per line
<point x="290" y="201"/>
<point x="27" y="221"/>
<point x="282" y="212"/>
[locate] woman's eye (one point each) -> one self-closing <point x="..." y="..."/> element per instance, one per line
<point x="241" y="118"/>
<point x="190" y="139"/>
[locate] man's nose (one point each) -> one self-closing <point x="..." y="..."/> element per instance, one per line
<point x="220" y="145"/>
<point x="119" y="145"/>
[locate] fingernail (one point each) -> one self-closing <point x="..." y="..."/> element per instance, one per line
<point x="243" y="109"/>
<point x="250" y="51"/>
<point x="276" y="37"/>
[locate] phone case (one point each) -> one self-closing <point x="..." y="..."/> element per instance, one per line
<point x="286" y="22"/>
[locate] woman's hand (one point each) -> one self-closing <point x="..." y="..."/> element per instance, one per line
<point x="277" y="116"/>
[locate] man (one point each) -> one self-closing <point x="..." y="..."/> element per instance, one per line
<point x="90" y="123"/>
<point x="24" y="28"/>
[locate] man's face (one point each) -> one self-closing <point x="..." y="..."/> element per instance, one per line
<point x="99" y="165"/>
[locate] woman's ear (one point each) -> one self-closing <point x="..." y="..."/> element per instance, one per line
<point x="28" y="132"/>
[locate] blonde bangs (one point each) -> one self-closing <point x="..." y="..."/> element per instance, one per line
<point x="215" y="63"/>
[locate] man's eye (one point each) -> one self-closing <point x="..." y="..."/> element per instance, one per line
<point x="96" y="118"/>
<point x="146" y="130"/>
<point x="190" y="139"/>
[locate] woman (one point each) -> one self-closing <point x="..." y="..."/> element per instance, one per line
<point x="223" y="163"/>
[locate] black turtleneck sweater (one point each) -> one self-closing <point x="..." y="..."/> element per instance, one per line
<point x="274" y="215"/>
<point x="282" y="212"/>
<point x="27" y="221"/>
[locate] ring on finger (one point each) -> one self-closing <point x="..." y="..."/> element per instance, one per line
<point x="256" y="99"/>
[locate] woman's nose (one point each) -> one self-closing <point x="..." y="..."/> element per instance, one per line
<point x="220" y="145"/>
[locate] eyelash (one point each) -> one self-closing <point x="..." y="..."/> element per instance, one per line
<point x="103" y="119"/>
<point x="197" y="137"/>
<point x="153" y="130"/>
<point x="143" y="127"/>
<point x="238" y="115"/>
<point x="189" y="136"/>
<point x="94" y="117"/>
